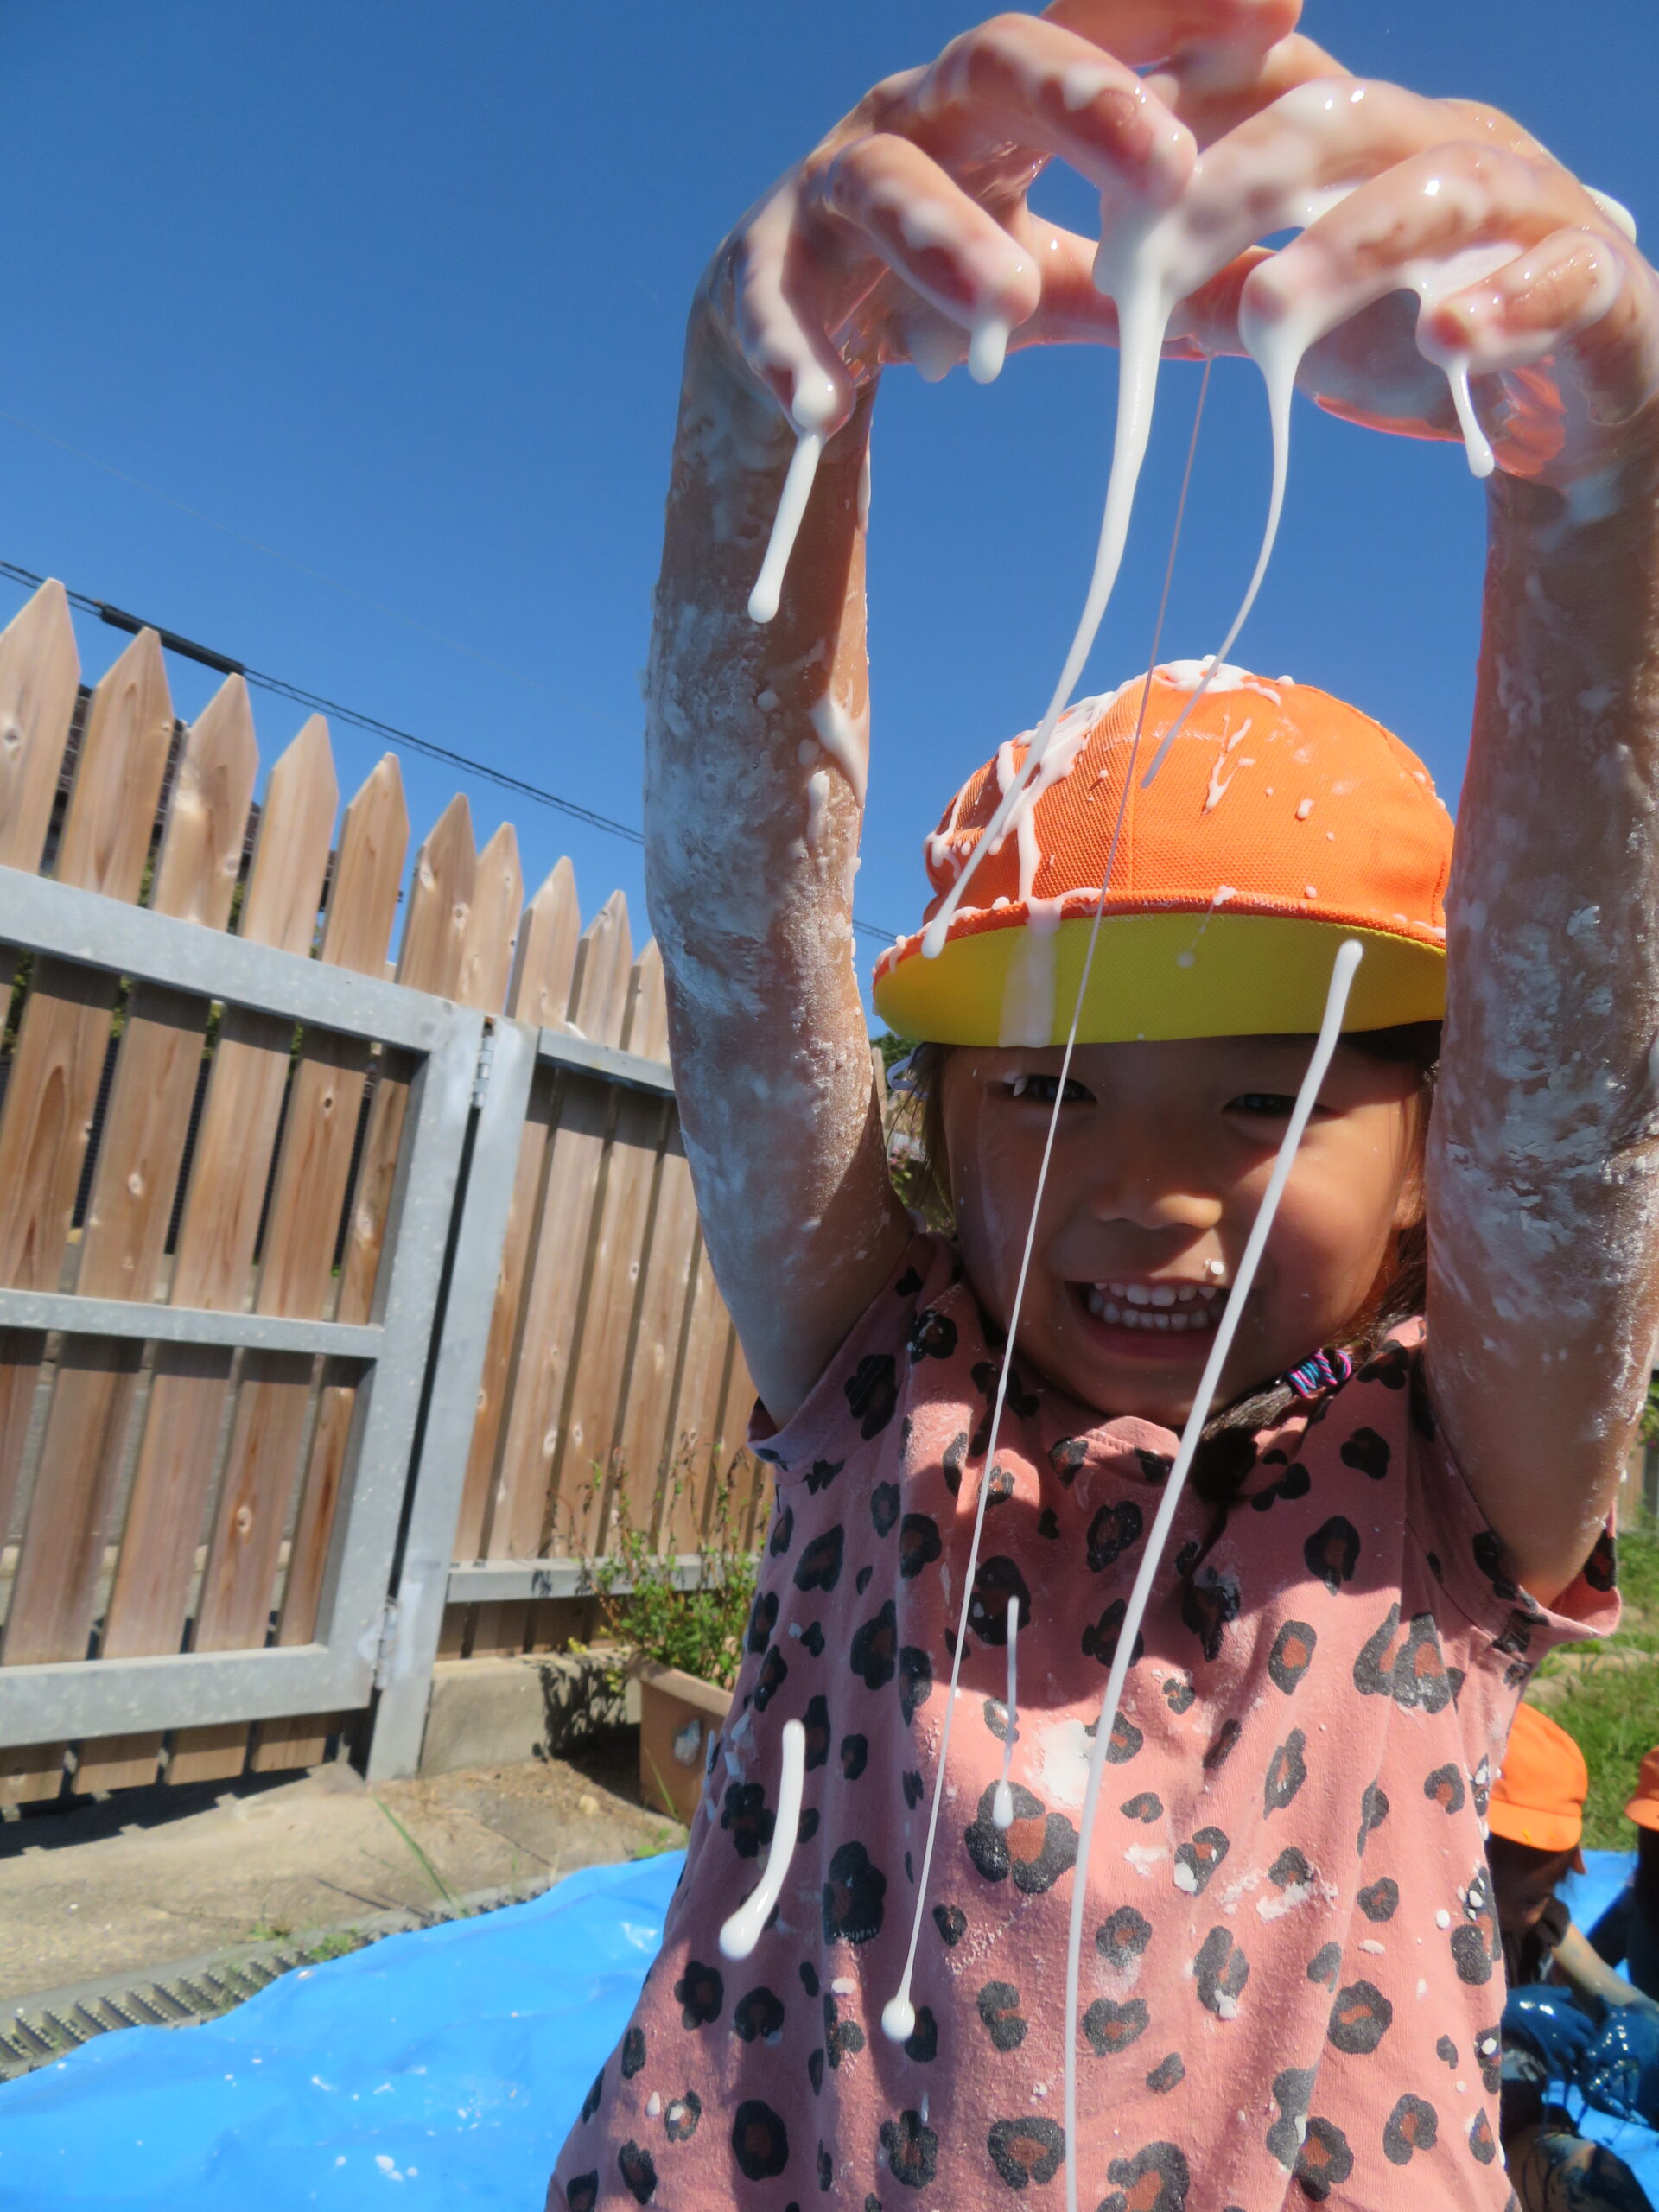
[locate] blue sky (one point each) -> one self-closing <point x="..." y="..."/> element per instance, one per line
<point x="398" y="289"/>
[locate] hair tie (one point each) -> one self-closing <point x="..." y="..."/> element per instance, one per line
<point x="1326" y="1370"/>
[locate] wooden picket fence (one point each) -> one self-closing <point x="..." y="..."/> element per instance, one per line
<point x="166" y="1497"/>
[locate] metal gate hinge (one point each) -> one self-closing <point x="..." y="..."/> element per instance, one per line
<point x="486" y="1062"/>
<point x="385" y="1642"/>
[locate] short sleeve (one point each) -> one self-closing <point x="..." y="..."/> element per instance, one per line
<point x="1466" y="1555"/>
<point x="857" y="1395"/>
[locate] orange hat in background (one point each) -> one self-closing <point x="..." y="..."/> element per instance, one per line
<point x="1538" y="1797"/>
<point x="1644" y="1808"/>
<point x="1281" y="822"/>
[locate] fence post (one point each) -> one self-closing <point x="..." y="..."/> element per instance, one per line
<point x="457" y="1354"/>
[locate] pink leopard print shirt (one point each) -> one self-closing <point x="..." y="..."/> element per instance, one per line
<point x="1292" y="1978"/>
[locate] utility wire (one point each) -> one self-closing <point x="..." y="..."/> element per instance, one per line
<point x="117" y="617"/>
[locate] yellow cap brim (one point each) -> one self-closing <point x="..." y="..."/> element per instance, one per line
<point x="1155" y="976"/>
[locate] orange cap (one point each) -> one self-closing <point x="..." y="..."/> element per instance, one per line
<point x="1281" y="822"/>
<point x="1644" y="1808"/>
<point x="1538" y="1797"/>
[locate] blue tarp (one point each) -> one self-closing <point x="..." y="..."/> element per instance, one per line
<point x="441" y="2069"/>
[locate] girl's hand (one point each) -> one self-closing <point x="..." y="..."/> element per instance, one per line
<point x="907" y="232"/>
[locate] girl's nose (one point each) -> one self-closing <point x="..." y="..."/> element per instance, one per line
<point x="1148" y="1194"/>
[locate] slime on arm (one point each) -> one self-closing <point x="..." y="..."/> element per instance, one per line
<point x="1002" y="1796"/>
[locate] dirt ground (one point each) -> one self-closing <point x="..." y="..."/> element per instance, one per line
<point x="143" y="1878"/>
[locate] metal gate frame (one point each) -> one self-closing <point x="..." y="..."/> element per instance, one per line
<point x="340" y="1668"/>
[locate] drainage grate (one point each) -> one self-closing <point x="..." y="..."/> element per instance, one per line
<point x="47" y="2027"/>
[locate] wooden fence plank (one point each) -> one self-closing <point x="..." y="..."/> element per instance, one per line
<point x="696" y="1413"/>
<point x="63" y="1044"/>
<point x="552" y="1305"/>
<point x="432" y="956"/>
<point x="39" y="677"/>
<point x="309" y="1194"/>
<point x="644" y="1449"/>
<point x="179" y="1447"/>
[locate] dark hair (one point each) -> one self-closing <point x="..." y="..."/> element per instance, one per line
<point x="1225" y="1455"/>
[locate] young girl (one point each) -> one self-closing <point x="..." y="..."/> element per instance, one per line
<point x="1292" y="1975"/>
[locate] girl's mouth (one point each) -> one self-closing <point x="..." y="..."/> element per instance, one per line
<point x="1160" y="1319"/>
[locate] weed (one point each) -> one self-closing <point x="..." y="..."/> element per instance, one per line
<point x="432" y="1873"/>
<point x="1611" y="1710"/>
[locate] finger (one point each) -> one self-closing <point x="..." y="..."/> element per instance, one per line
<point x="921" y="223"/>
<point x="1234" y="33"/>
<point x="1211" y="109"/>
<point x="780" y="317"/>
<point x="1045" y="87"/>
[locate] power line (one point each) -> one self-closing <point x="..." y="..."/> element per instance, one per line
<point x="117" y="617"/>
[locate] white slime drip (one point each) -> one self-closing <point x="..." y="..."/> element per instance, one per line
<point x="1349" y="955"/>
<point x="739" y="1934"/>
<point x="1002" y="1796"/>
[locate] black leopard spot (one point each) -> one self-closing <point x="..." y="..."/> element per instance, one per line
<point x="922" y="2043"/>
<point x="1168" y="2074"/>
<point x="999" y="2010"/>
<point x="1294" y="1483"/>
<point x="852" y="1896"/>
<point x="639" y="2170"/>
<point x="763" y="1619"/>
<point x="1292" y="1655"/>
<point x="1156" y="2179"/>
<point x="1446" y="2052"/>
<point x="1472" y="1955"/>
<point x="760" y="2140"/>
<point x="681" y="2115"/>
<point x="1124" y="1741"/>
<point x="1391" y="1366"/>
<point x="1368" y="1452"/>
<point x="996" y="1719"/>
<point x="1048" y="1523"/>
<point x="1207" y="1605"/>
<point x="951" y="1466"/>
<point x="815" y="1723"/>
<point x="1198" y="1860"/>
<point x="884" y="1507"/>
<point x="815" y="2071"/>
<point x="1445" y="1788"/>
<point x="1100" y="1637"/>
<point x="1380" y="1901"/>
<point x="633" y="2052"/>
<point x="1325" y="1965"/>
<point x="915" y="1680"/>
<point x="809" y="1978"/>
<point x="1037" y="1850"/>
<point x="1154" y="1465"/>
<point x="911" y="2149"/>
<point x="1113" y="1530"/>
<point x="1221" y="1748"/>
<point x="1147" y="1808"/>
<point x="1373" y="1811"/>
<point x="908" y="1283"/>
<point x="875" y="1647"/>
<point x="826" y="2168"/>
<point x="1221" y="1971"/>
<point x="932" y="1336"/>
<point x="809" y="1825"/>
<point x="774" y="1673"/>
<point x="855" y="1756"/>
<point x="1290" y="1869"/>
<point x="918" y="1544"/>
<point x="1324" y="2161"/>
<point x="839" y="2035"/>
<point x="1293" y="2091"/>
<point x="1481" y="2141"/>
<point x="861" y="1579"/>
<point x="1413" y="2125"/>
<point x="1066" y="1457"/>
<point x="1489" y="2053"/>
<point x="700" y="1993"/>
<point x="952" y="1923"/>
<point x="873" y="1392"/>
<point x="1179" y="1693"/>
<point x="1027" y="2150"/>
<point x="1360" y="2017"/>
<point x="1286" y="1772"/>
<point x="581" y="2191"/>
<point x="783" y="1532"/>
<point x="1600" y="1570"/>
<point x="819" y="1566"/>
<point x="590" y="2103"/>
<point x="1412" y="1671"/>
<point x="999" y="1486"/>
<point x="1122" y="1937"/>
<point x="822" y="1473"/>
<point x="1113" y="2027"/>
<point x="758" y="2016"/>
<point x="1489" y="1558"/>
<point x="997" y="1583"/>
<point x="1331" y="1552"/>
<point x="748" y="1817"/>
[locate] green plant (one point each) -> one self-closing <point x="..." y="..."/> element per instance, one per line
<point x="1610" y="1704"/>
<point x="698" y="1630"/>
<point x="1648" y="1426"/>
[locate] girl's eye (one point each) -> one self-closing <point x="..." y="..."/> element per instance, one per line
<point x="1267" y="1105"/>
<point x="1041" y="1089"/>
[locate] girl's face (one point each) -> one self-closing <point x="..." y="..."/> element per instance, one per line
<point x="1162" y="1156"/>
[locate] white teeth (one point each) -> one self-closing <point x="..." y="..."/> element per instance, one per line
<point x="1160" y="1320"/>
<point x="1178" y="1320"/>
<point x="1186" y="1293"/>
<point x="1139" y="1294"/>
<point x="1111" y="1312"/>
<point x="1163" y="1294"/>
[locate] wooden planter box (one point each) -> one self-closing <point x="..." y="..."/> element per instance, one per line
<point x="677" y="1715"/>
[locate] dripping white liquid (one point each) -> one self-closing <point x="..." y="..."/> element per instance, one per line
<point x="1002" y="1797"/>
<point x="739" y="1934"/>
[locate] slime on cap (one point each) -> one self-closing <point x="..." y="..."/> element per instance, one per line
<point x="1281" y="822"/>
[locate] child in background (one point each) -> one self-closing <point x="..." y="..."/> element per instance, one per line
<point x="1292" y="1970"/>
<point x="1629" y="1929"/>
<point x="1535" y="1819"/>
